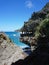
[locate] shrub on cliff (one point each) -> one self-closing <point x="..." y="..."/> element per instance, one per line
<point x="43" y="29"/>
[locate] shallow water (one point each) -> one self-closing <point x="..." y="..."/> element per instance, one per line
<point x="14" y="36"/>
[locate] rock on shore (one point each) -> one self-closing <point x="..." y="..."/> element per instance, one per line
<point x="9" y="52"/>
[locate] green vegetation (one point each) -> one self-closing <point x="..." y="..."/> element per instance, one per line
<point x="38" y="22"/>
<point x="43" y="29"/>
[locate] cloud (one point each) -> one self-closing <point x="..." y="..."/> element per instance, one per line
<point x="29" y="4"/>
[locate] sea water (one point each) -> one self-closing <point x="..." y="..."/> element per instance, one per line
<point x="14" y="36"/>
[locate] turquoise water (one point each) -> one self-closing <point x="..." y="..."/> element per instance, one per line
<point x="14" y="36"/>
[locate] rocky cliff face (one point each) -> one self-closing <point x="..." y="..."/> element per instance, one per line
<point x="36" y="18"/>
<point x="38" y="24"/>
<point x="9" y="52"/>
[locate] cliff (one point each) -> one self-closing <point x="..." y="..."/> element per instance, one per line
<point x="36" y="18"/>
<point x="38" y="24"/>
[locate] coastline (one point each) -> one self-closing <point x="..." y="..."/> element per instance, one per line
<point x="10" y="53"/>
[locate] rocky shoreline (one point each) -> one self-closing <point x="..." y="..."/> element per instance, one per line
<point x="9" y="53"/>
<point x="31" y="41"/>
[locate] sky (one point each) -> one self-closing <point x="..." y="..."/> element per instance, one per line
<point x="13" y="13"/>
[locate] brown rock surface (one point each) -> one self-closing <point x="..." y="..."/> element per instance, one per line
<point x="9" y="52"/>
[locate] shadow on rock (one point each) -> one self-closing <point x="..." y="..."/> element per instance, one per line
<point x="40" y="56"/>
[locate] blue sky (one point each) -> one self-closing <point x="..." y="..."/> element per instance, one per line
<point x="13" y="13"/>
